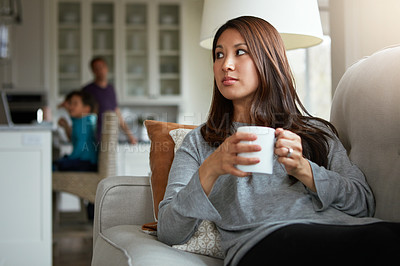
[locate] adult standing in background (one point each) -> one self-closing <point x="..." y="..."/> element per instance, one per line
<point x="104" y="93"/>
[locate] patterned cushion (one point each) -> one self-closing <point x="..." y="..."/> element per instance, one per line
<point x="205" y="241"/>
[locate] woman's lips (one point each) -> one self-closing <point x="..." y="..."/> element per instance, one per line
<point x="227" y="81"/>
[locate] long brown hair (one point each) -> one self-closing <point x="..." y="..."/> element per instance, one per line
<point x="275" y="103"/>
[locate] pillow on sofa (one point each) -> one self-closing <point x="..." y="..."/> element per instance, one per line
<point x="161" y="156"/>
<point x="206" y="240"/>
<point x="165" y="139"/>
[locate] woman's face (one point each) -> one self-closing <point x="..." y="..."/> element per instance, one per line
<point x="234" y="70"/>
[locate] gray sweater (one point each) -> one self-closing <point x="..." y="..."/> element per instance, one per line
<point x="245" y="210"/>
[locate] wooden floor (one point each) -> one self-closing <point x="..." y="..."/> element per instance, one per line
<point x="72" y="241"/>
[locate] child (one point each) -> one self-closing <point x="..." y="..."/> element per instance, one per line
<point x="81" y="107"/>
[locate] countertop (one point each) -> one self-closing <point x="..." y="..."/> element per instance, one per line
<point x="27" y="127"/>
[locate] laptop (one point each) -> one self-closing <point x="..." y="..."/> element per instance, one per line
<point x="5" y="115"/>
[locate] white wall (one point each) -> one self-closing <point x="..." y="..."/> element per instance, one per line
<point x="359" y="28"/>
<point x="198" y="74"/>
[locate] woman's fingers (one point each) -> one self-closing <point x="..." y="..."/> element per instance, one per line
<point x="285" y="134"/>
<point x="233" y="144"/>
<point x="288" y="144"/>
<point x="242" y="148"/>
<point x="242" y="136"/>
<point x="284" y="152"/>
<point x="238" y="173"/>
<point x="246" y="161"/>
<point x="289" y="149"/>
<point x="225" y="158"/>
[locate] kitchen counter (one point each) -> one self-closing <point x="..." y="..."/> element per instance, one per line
<point x="25" y="127"/>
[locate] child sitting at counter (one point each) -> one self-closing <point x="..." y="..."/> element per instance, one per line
<point x="81" y="108"/>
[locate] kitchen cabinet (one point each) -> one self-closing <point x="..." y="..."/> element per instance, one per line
<point x="69" y="47"/>
<point x="140" y="40"/>
<point x="25" y="196"/>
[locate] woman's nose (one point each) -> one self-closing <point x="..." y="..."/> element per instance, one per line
<point x="228" y="64"/>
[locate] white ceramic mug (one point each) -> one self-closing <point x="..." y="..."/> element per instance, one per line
<point x="266" y="139"/>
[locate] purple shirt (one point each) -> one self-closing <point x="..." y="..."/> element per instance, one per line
<point x="106" y="101"/>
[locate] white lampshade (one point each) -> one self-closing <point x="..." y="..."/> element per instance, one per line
<point x="297" y="21"/>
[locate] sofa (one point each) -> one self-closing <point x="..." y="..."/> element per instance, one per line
<point x="366" y="112"/>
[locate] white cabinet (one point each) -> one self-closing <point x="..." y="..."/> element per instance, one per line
<point x="136" y="49"/>
<point x="69" y="46"/>
<point x="169" y="47"/>
<point x="25" y="197"/>
<point x="140" y="40"/>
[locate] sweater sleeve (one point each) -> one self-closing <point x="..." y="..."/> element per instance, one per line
<point x="185" y="203"/>
<point x="342" y="186"/>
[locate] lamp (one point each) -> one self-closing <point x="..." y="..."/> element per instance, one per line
<point x="297" y="21"/>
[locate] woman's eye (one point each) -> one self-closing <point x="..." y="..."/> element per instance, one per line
<point x="219" y="55"/>
<point x="240" y="52"/>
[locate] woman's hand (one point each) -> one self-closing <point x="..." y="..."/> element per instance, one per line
<point x="224" y="159"/>
<point x="289" y="149"/>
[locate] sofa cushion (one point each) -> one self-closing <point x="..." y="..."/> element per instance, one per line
<point x="366" y="113"/>
<point x="161" y="156"/>
<point x="128" y="245"/>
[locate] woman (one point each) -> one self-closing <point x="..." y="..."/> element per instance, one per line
<point x="310" y="208"/>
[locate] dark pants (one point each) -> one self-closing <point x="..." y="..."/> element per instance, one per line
<point x="66" y="164"/>
<point x="315" y="244"/>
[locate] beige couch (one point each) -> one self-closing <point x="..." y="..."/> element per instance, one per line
<point x="366" y="112"/>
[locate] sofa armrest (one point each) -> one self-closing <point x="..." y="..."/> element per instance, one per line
<point x="122" y="200"/>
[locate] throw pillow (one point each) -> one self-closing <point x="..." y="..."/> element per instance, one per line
<point x="161" y="157"/>
<point x="206" y="240"/>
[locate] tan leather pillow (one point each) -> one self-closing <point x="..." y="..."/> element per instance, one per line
<point x="161" y="156"/>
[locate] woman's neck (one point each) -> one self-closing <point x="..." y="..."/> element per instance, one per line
<point x="241" y="113"/>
